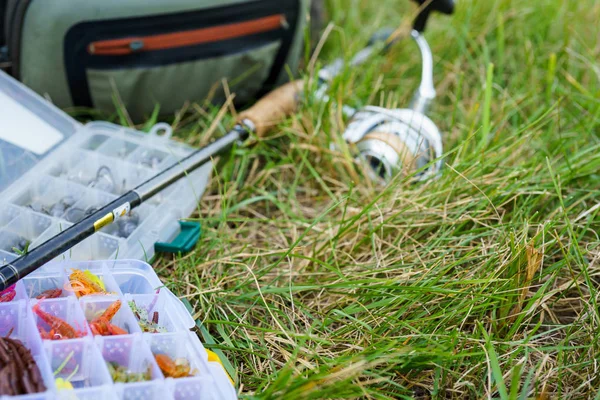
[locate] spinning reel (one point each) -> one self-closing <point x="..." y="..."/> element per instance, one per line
<point x="392" y="141"/>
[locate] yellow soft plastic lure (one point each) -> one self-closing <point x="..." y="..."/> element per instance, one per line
<point x="84" y="283"/>
<point x="94" y="278"/>
<point x="63" y="384"/>
<point x="213" y="357"/>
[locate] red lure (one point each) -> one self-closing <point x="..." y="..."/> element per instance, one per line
<point x="8" y="294"/>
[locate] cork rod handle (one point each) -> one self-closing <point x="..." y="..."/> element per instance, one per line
<point x="274" y="108"/>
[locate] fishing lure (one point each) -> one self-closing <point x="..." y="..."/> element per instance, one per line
<point x="63" y="384"/>
<point x="59" y="328"/>
<point x="69" y="365"/>
<point x="178" y="368"/>
<point x="76" y="214"/>
<point x="19" y="374"/>
<point x="49" y="294"/>
<point x="84" y="283"/>
<point x="102" y="326"/>
<point x="57" y="210"/>
<point x="127" y="224"/>
<point x="150" y="161"/>
<point x="121" y="374"/>
<point x="147" y="324"/>
<point x="104" y="180"/>
<point x="8" y="294"/>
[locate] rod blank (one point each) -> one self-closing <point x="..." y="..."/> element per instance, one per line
<point x="55" y="246"/>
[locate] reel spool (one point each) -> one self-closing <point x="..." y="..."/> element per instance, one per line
<point x="395" y="141"/>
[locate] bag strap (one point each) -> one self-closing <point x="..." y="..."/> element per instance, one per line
<point x="14" y="15"/>
<point x="6" y="12"/>
<point x="286" y="45"/>
<point x="7" y="17"/>
<point x="4" y="63"/>
<point x="2" y="33"/>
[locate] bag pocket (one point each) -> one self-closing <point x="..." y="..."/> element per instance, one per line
<point x="171" y="85"/>
<point x="171" y="58"/>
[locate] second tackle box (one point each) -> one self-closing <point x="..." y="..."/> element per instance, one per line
<point x="133" y="341"/>
<point x="54" y="171"/>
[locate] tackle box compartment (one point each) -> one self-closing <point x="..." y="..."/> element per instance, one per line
<point x="82" y="361"/>
<point x="54" y="171"/>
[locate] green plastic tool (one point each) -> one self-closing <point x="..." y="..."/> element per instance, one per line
<point x="184" y="242"/>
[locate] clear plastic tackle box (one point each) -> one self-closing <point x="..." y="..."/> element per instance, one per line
<point x="54" y="171"/>
<point x="83" y="361"/>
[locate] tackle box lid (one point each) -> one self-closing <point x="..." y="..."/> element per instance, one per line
<point x="55" y="170"/>
<point x="31" y="129"/>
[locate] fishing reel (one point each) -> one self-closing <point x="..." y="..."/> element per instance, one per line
<point x="392" y="141"/>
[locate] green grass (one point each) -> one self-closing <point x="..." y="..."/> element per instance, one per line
<point x="317" y="284"/>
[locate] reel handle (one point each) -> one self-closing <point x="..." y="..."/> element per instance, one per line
<point x="443" y="6"/>
<point x="274" y="108"/>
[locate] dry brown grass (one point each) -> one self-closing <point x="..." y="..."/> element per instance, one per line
<point x="317" y="284"/>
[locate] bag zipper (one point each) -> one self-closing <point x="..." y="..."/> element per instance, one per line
<point x="137" y="47"/>
<point x="116" y="47"/>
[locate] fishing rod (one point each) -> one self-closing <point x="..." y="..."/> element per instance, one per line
<point x="258" y="120"/>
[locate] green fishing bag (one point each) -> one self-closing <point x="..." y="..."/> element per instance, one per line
<point x="148" y="53"/>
